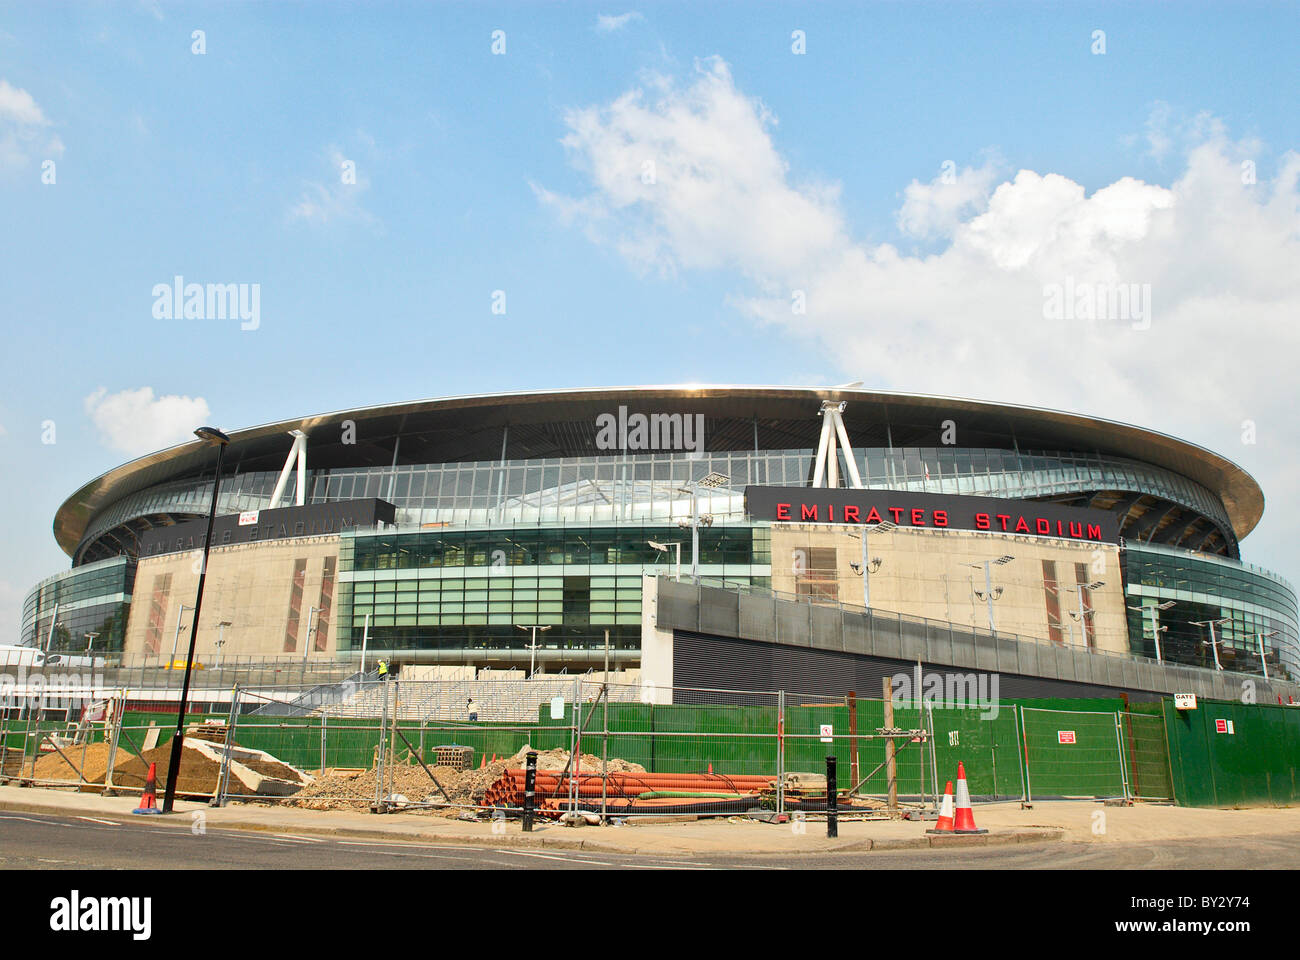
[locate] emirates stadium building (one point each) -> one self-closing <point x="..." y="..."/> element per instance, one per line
<point x="508" y="528"/>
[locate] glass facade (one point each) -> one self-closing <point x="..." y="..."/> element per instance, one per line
<point x="1250" y="600"/>
<point x="648" y="486"/>
<point x="472" y="589"/>
<point x="89" y="599"/>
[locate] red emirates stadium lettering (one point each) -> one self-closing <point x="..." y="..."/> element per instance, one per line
<point x="921" y="517"/>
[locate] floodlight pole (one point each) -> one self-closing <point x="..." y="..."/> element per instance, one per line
<point x="306" y="646"/>
<point x="178" y="740"/>
<point x="988" y="594"/>
<point x="695" y="533"/>
<point x="1214" y="643"/>
<point x="176" y="637"/>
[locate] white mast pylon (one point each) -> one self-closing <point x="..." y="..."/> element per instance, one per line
<point x="827" y="466"/>
<point x="298" y="453"/>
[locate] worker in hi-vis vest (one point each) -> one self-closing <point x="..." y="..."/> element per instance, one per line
<point x="383" y="669"/>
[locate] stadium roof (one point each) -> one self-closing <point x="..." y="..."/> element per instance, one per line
<point x="555" y="423"/>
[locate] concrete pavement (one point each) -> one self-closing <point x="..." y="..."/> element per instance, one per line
<point x="1079" y="821"/>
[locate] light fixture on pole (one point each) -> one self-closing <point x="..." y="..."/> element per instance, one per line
<point x="1263" y="656"/>
<point x="176" y="637"/>
<point x="214" y="436"/>
<point x="1156" y="629"/>
<point x="306" y="643"/>
<point x="90" y="639"/>
<point x="1214" y="643"/>
<point x="54" y="620"/>
<point x="221" y="636"/>
<point x="712" y="481"/>
<point x="1084" y="611"/>
<point x="867" y="567"/>
<point x="663" y="548"/>
<point x="532" y="659"/>
<point x="990" y="592"/>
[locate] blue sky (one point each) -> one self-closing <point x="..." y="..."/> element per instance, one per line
<point x="225" y="167"/>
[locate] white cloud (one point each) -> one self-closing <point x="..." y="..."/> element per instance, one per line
<point x="606" y="23"/>
<point x="136" y="422"/>
<point x="938" y="207"/>
<point x="1221" y="258"/>
<point x="338" y="198"/>
<point x="24" y="129"/>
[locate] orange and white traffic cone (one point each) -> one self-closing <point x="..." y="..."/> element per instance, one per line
<point x="944" y="823"/>
<point x="965" y="822"/>
<point x="482" y="760"/>
<point x="149" y="799"/>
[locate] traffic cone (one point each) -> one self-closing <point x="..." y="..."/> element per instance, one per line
<point x="482" y="760"/>
<point x="149" y="799"/>
<point x="944" y="823"/>
<point x="710" y="768"/>
<point x="965" y="821"/>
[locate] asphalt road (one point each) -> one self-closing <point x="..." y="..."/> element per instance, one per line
<point x="39" y="842"/>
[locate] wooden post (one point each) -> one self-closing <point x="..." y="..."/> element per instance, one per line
<point x="891" y="764"/>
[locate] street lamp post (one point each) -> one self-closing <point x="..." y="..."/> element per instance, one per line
<point x="712" y="481"/>
<point x="663" y="548"/>
<point x="1214" y="643"/>
<point x="54" y="620"/>
<point x="213" y="436"/>
<point x="90" y="639"/>
<point x="306" y="643"/>
<point x="1263" y="657"/>
<point x="868" y="567"/>
<point x="990" y="593"/>
<point x="176" y="637"/>
<point x="532" y="659"/>
<point x="221" y="637"/>
<point x="1156" y="629"/>
<point x="1084" y="612"/>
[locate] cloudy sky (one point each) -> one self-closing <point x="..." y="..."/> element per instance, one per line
<point x="926" y="197"/>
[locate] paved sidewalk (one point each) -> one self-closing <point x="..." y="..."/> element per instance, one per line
<point x="1006" y="822"/>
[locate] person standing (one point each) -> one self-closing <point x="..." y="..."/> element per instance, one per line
<point x="472" y="709"/>
<point x="383" y="669"/>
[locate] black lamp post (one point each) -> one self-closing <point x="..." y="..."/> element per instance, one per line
<point x="214" y="436"/>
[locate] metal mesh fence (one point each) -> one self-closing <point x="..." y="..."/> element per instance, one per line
<point x="460" y="744"/>
<point x="1146" y="751"/>
<point x="1072" y="754"/>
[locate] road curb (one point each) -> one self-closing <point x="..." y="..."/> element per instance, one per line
<point x="404" y="833"/>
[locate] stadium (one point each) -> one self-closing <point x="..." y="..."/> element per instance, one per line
<point x="530" y="530"/>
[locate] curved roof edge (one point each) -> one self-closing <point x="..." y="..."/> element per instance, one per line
<point x="1240" y="493"/>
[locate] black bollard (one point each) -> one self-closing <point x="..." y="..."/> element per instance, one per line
<point x="530" y="784"/>
<point x="832" y="807"/>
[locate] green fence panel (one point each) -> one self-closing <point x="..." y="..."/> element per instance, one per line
<point x="1071" y="754"/>
<point x="1146" y="756"/>
<point x="987" y="743"/>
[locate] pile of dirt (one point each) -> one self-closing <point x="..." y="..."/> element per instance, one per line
<point x="252" y="772"/>
<point x="350" y="789"/>
<point x="68" y="766"/>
